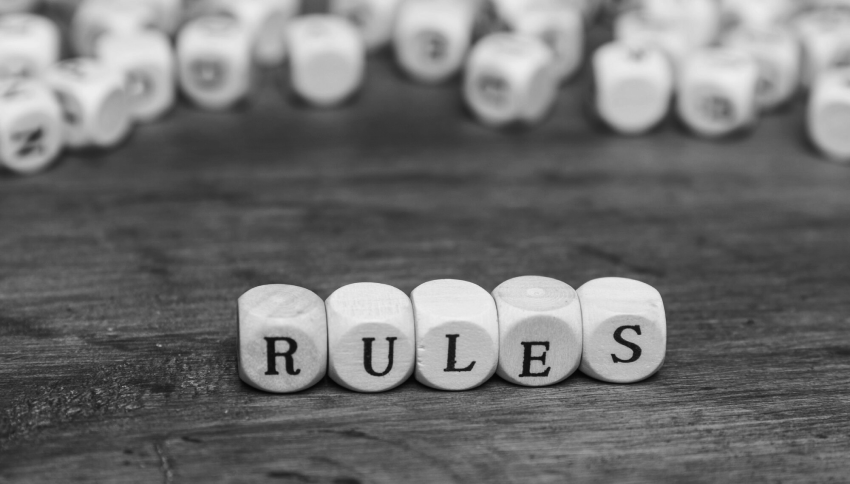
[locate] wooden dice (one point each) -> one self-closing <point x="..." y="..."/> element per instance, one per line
<point x="778" y="58"/>
<point x="431" y="37"/>
<point x="147" y="62"/>
<point x="371" y="337"/>
<point x="509" y="79"/>
<point x="94" y="104"/>
<point x="214" y="63"/>
<point x="635" y="28"/>
<point x="633" y="87"/>
<point x="625" y="330"/>
<point x="264" y="20"/>
<point x="699" y="20"/>
<point x="561" y="27"/>
<point x="374" y="19"/>
<point x="94" y="18"/>
<point x="828" y="115"/>
<point x="29" y="44"/>
<point x="540" y="330"/>
<point x="327" y="59"/>
<point x="31" y="130"/>
<point x="283" y="338"/>
<point x="457" y="334"/>
<point x="717" y="92"/>
<point x="825" y="35"/>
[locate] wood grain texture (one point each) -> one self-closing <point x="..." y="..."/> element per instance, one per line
<point x="119" y="273"/>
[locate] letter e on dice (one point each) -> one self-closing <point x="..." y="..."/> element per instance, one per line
<point x="625" y="330"/>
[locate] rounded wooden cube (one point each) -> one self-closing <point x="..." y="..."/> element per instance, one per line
<point x="828" y="115"/>
<point x="371" y="337"/>
<point x="29" y="44"/>
<point x="95" y="107"/>
<point x="625" y="330"/>
<point x="634" y="28"/>
<point x="374" y="19"/>
<point x="634" y="87"/>
<point x="265" y="21"/>
<point x="561" y="27"/>
<point x="717" y="92"/>
<point x="825" y="36"/>
<point x="147" y="62"/>
<point x="94" y="18"/>
<point x="31" y="130"/>
<point x="457" y="334"/>
<point x="509" y="78"/>
<point x="327" y="59"/>
<point x="778" y="58"/>
<point x="283" y="338"/>
<point x="214" y="62"/>
<point x="540" y="330"/>
<point x="431" y="38"/>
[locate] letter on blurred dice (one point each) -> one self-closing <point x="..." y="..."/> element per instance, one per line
<point x="634" y="86"/>
<point x="94" y="18"/>
<point x="147" y="62"/>
<point x="29" y="44"/>
<point x="265" y="21"/>
<point x="431" y="37"/>
<point x="371" y="337"/>
<point x="327" y="58"/>
<point x="374" y="19"/>
<point x="828" y="116"/>
<point x="283" y="338"/>
<point x="509" y="78"/>
<point x="561" y="27"/>
<point x="31" y="130"/>
<point x="540" y="330"/>
<point x="625" y="330"/>
<point x="95" y="108"/>
<point x="457" y="334"/>
<point x="717" y="89"/>
<point x="214" y="62"/>
<point x="777" y="55"/>
<point x="825" y="35"/>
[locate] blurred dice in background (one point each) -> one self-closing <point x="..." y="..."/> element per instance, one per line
<point x="94" y="18"/>
<point x="510" y="79"/>
<point x="634" y="87"/>
<point x="635" y="29"/>
<point x="828" y="115"/>
<point x="825" y="35"/>
<point x="147" y="62"/>
<point x="716" y="92"/>
<point x="95" y="109"/>
<point x="29" y="44"/>
<point x="327" y="59"/>
<point x="31" y="131"/>
<point x="778" y="57"/>
<point x="431" y="37"/>
<point x="214" y="62"/>
<point x="374" y="19"/>
<point x="560" y="26"/>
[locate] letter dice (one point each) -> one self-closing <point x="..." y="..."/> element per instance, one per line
<point x="374" y="19"/>
<point x="147" y="62"/>
<point x="540" y="330"/>
<point x="283" y="338"/>
<point x="214" y="62"/>
<point x="509" y="78"/>
<point x="625" y="330"/>
<point x="717" y="89"/>
<point x="777" y="55"/>
<point x="94" y="105"/>
<point x="431" y="37"/>
<point x="327" y="58"/>
<point x="825" y="35"/>
<point x="457" y="334"/>
<point x="828" y="115"/>
<point x="31" y="130"/>
<point x="93" y="18"/>
<point x="561" y="27"/>
<point x="29" y="44"/>
<point x="634" y="87"/>
<point x="266" y="22"/>
<point x="371" y="337"/>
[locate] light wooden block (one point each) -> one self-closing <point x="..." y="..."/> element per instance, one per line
<point x="825" y="35"/>
<point x="283" y="338"/>
<point x="457" y="334"/>
<point x="31" y="129"/>
<point x="625" y="330"/>
<point x="635" y="29"/>
<point x="779" y="61"/>
<point x="371" y="337"/>
<point x="29" y="44"/>
<point x="540" y="330"/>
<point x="828" y="115"/>
<point x="561" y="27"/>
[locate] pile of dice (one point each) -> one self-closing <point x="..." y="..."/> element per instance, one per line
<point x="450" y="334"/>
<point x="721" y="62"/>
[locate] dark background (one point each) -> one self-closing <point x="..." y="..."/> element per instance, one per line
<point x="119" y="273"/>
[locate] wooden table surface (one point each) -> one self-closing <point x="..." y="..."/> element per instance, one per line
<point x="119" y="273"/>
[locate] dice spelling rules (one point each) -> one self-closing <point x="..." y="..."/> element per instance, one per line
<point x="450" y="334"/>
